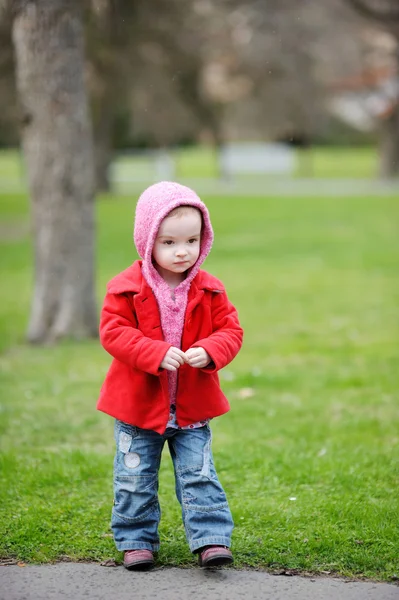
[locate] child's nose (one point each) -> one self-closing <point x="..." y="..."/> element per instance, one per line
<point x="181" y="252"/>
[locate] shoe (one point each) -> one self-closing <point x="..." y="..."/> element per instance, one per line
<point x="215" y="556"/>
<point x="138" y="560"/>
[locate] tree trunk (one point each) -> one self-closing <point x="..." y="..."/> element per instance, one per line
<point x="103" y="119"/>
<point x="389" y="145"/>
<point x="386" y="15"/>
<point x="57" y="144"/>
<point x="103" y="161"/>
<point x="207" y="113"/>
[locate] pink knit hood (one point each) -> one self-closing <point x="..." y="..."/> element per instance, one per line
<point x="152" y="207"/>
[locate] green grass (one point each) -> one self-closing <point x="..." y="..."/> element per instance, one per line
<point x="319" y="162"/>
<point x="201" y="162"/>
<point x="309" y="459"/>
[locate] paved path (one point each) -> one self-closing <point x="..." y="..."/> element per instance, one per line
<point x="69" y="581"/>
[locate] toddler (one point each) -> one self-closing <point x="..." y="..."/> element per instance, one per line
<point x="169" y="327"/>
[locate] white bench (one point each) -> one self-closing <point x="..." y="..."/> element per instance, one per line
<point x="256" y="158"/>
<point x="143" y="165"/>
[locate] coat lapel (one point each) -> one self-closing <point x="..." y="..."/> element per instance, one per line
<point x="147" y="312"/>
<point x="195" y="296"/>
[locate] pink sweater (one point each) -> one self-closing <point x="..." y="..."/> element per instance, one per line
<point x="152" y="207"/>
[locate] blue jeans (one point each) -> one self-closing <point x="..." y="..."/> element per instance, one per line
<point x="136" y="512"/>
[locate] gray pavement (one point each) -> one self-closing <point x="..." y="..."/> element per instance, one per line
<point x="71" y="581"/>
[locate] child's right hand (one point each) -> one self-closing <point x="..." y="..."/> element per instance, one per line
<point x="173" y="359"/>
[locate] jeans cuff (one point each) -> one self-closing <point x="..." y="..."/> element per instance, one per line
<point x="134" y="545"/>
<point x="209" y="541"/>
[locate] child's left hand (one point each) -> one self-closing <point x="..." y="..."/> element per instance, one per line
<point x="197" y="357"/>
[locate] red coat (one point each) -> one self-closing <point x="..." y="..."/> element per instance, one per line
<point x="136" y="389"/>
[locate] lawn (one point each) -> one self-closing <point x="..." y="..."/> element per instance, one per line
<point x="320" y="162"/>
<point x="309" y="453"/>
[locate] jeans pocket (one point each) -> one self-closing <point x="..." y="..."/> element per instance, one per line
<point x="124" y="435"/>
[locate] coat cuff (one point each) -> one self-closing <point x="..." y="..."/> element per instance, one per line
<point x="212" y="367"/>
<point x="151" y="362"/>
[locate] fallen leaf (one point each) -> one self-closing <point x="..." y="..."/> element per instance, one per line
<point x="109" y="563"/>
<point x="246" y="393"/>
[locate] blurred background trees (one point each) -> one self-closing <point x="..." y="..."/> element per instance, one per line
<point x="126" y="75"/>
<point x="192" y="71"/>
<point x="384" y="14"/>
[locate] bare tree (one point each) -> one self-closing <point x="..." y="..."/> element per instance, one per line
<point x="8" y="106"/>
<point x="57" y="144"/>
<point x="183" y="34"/>
<point x="110" y="29"/>
<point x="385" y="13"/>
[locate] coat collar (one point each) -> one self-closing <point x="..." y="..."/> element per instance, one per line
<point x="132" y="280"/>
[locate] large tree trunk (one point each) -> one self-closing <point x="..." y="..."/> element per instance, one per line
<point x="57" y="143"/>
<point x="386" y="15"/>
<point x="389" y="132"/>
<point x="103" y="150"/>
<point x="389" y="145"/>
<point x="208" y="113"/>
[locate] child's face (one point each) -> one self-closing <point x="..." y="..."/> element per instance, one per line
<point x="177" y="245"/>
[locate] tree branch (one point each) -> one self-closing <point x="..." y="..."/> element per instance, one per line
<point x="386" y="14"/>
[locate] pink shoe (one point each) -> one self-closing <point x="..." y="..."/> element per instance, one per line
<point x="138" y="560"/>
<point x="215" y="556"/>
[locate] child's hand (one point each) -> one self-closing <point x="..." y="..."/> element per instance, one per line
<point x="197" y="357"/>
<point x="173" y="359"/>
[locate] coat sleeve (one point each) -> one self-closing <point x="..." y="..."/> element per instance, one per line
<point x="226" y="340"/>
<point x="120" y="336"/>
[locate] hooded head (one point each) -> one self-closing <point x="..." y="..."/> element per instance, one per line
<point x="154" y="204"/>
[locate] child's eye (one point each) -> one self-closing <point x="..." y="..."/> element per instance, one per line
<point x="168" y="242"/>
<point x="192" y="241"/>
